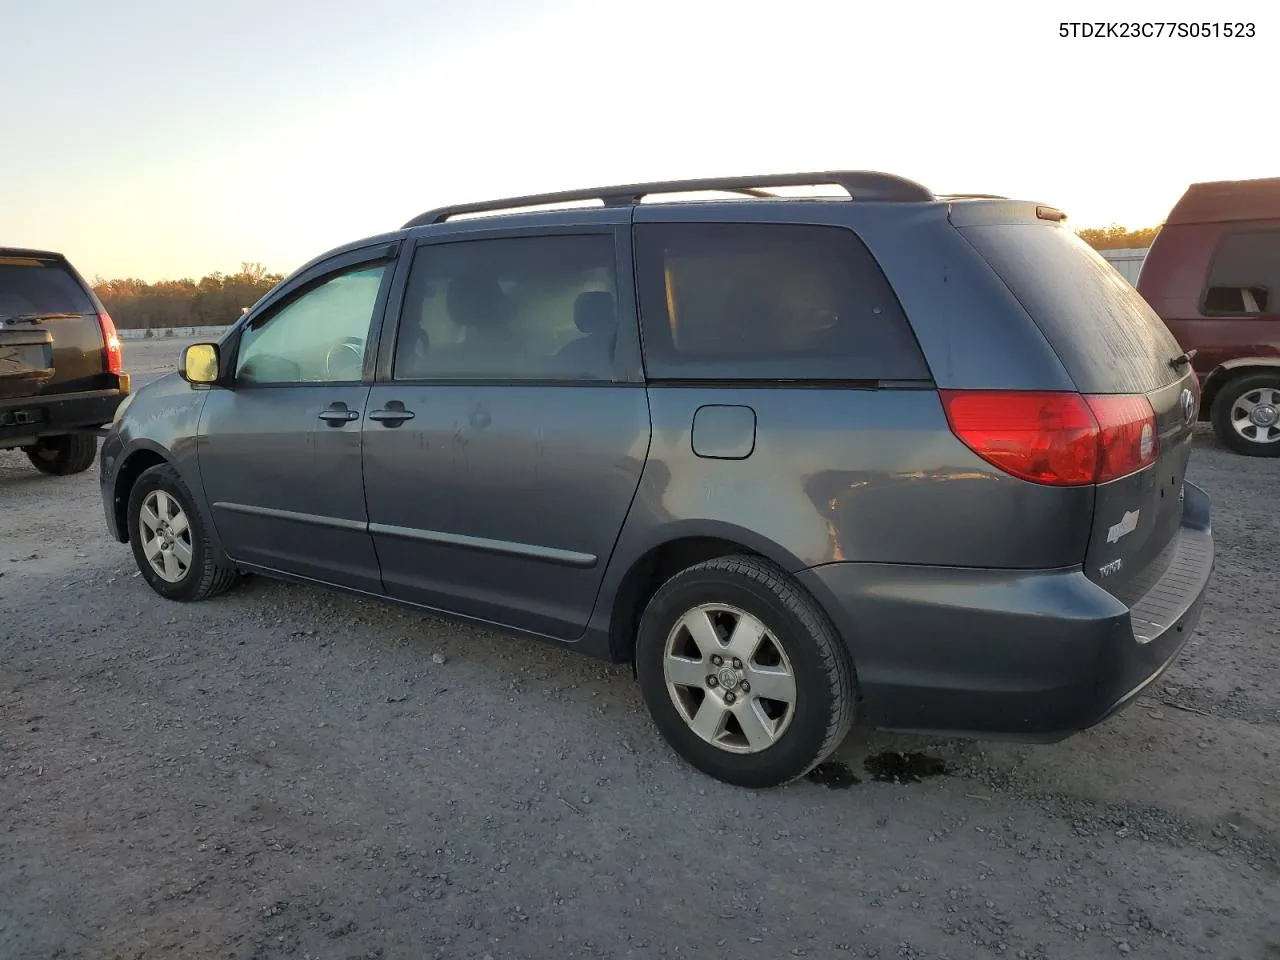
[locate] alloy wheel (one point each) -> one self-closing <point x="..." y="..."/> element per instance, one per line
<point x="729" y="678"/>
<point x="166" y="536"/>
<point x="1255" y="415"/>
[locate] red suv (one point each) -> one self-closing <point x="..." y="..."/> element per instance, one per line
<point x="1213" y="275"/>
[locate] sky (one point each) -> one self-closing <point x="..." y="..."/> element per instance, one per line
<point x="156" y="140"/>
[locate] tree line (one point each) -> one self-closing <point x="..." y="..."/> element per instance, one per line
<point x="219" y="298"/>
<point x="1116" y="237"/>
<point x="211" y="301"/>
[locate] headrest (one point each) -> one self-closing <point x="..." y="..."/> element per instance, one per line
<point x="595" y="312"/>
<point x="476" y="302"/>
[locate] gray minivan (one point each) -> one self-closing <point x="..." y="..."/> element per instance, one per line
<point x="913" y="460"/>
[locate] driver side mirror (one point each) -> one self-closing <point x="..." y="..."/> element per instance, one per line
<point x="199" y="363"/>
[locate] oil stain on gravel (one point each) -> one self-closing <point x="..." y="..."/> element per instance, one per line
<point x="894" y="767"/>
<point x="888" y="767"/>
<point x="833" y="774"/>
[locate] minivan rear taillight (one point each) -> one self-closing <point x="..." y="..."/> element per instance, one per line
<point x="1060" y="439"/>
<point x="115" y="358"/>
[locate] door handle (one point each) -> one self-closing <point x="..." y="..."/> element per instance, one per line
<point x="393" y="414"/>
<point x="337" y="414"/>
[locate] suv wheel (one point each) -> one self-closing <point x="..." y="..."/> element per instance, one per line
<point x="1246" y="414"/>
<point x="64" y="455"/>
<point x="168" y="539"/>
<point x="743" y="674"/>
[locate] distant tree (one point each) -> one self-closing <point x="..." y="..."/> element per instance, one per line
<point x="1116" y="237"/>
<point x="216" y="299"/>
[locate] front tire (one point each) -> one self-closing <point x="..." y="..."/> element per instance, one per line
<point x="64" y="455"/>
<point x="169" y="540"/>
<point x="1246" y="415"/>
<point x="743" y="673"/>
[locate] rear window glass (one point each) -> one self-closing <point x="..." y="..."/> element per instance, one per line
<point x="768" y="301"/>
<point x="1107" y="336"/>
<point x="39" y="286"/>
<point x="1245" y="274"/>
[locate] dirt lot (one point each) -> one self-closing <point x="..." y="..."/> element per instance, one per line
<point x="288" y="772"/>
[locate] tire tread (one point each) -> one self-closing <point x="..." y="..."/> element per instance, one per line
<point x="80" y="451"/>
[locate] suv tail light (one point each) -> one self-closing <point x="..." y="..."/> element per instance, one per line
<point x="115" y="358"/>
<point x="1060" y="439"/>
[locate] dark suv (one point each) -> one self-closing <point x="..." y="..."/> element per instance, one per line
<point x="61" y="369"/>
<point x="911" y="459"/>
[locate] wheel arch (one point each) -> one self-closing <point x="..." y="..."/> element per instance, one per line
<point x="677" y="548"/>
<point x="142" y="457"/>
<point x="1229" y="370"/>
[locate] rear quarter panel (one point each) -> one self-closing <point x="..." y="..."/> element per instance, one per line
<point x="847" y="475"/>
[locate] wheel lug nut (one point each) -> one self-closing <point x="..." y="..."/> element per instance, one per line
<point x="746" y="687"/>
<point x="729" y="697"/>
<point x="712" y="681"/>
<point x="717" y="659"/>
<point x="737" y="664"/>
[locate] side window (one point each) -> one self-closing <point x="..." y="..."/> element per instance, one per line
<point x="513" y="308"/>
<point x="318" y="337"/>
<point x="761" y="301"/>
<point x="1244" y="277"/>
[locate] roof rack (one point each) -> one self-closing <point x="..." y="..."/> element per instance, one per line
<point x="860" y="184"/>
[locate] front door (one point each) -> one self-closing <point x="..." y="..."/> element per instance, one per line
<point x="279" y="446"/>
<point x="507" y="433"/>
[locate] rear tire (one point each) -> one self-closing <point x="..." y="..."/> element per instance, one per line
<point x="169" y="539"/>
<point x="780" y="698"/>
<point x="63" y="455"/>
<point x="1246" y="414"/>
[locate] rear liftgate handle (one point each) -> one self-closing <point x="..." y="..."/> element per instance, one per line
<point x="337" y="414"/>
<point x="393" y="414"/>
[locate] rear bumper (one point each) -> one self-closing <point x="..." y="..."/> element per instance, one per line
<point x="1163" y="619"/>
<point x="1009" y="653"/>
<point x="26" y="420"/>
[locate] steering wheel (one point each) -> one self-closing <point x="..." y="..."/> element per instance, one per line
<point x="345" y="359"/>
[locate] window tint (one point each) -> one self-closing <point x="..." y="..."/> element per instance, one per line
<point x="39" y="286"/>
<point x="319" y="337"/>
<point x="1106" y="335"/>
<point x="1245" y="274"/>
<point x="511" y="308"/>
<point x="746" y="301"/>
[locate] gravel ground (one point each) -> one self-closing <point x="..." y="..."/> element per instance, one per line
<point x="290" y="772"/>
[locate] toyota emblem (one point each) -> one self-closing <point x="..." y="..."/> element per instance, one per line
<point x="1188" y="401"/>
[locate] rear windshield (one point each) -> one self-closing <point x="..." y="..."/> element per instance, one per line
<point x="1107" y="336"/>
<point x="39" y="286"/>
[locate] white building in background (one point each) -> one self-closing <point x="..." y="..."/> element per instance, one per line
<point x="1128" y="261"/>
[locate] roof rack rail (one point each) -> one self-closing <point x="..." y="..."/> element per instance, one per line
<point x="860" y="184"/>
